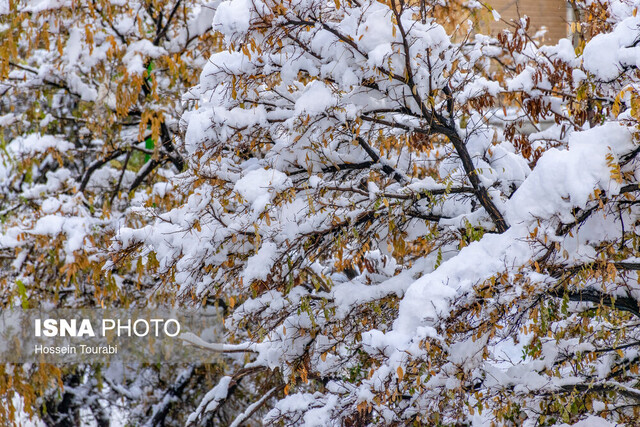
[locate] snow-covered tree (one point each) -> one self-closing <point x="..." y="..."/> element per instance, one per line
<point x="90" y="103"/>
<point x="408" y="222"/>
<point x="404" y="221"/>
<point x="90" y="98"/>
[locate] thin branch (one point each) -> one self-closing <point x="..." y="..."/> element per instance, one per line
<point x="143" y="173"/>
<point x="253" y="408"/>
<point x="124" y="169"/>
<point x="94" y="166"/>
<point x="386" y="168"/>
<point x="627" y="304"/>
<point x="163" y="32"/>
<point x="161" y="409"/>
<point x="196" y="341"/>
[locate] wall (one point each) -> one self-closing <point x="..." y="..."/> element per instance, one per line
<point x="549" y="13"/>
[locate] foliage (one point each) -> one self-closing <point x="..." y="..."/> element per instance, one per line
<point x="405" y="222"/>
<point x="91" y="99"/>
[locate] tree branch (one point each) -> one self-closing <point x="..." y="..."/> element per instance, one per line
<point x="94" y="166"/>
<point x="161" y="409"/>
<point x="386" y="168"/>
<point x="627" y="303"/>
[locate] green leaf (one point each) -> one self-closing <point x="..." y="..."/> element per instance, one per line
<point x="22" y="292"/>
<point x="149" y="145"/>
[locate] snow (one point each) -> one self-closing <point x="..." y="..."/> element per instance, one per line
<point x="259" y="265"/>
<point x="280" y="194"/>
<point x="233" y="17"/>
<point x="591" y="421"/>
<point x="258" y="186"/>
<point x="523" y="82"/>
<point x="309" y="97"/>
<point x="565" y="51"/>
<point x="7" y="119"/>
<point x="479" y="87"/>
<point x="42" y="5"/>
<point x="36" y="143"/>
<point x="566" y="179"/>
<point x="315" y="98"/>
<point x="601" y="58"/>
<point x="375" y="30"/>
<point x="73" y="48"/>
<point x="211" y="400"/>
<point x="137" y="52"/>
<point x="125" y="25"/>
<point x="428" y="298"/>
<point x="606" y="55"/>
